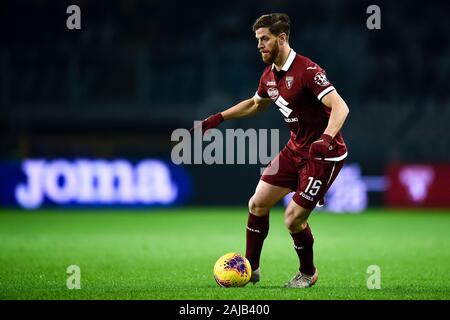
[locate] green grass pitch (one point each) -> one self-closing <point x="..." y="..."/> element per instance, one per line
<point x="169" y="254"/>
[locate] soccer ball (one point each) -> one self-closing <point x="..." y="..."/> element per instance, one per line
<point x="232" y="270"/>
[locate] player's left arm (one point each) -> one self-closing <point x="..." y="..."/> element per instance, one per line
<point x="314" y="78"/>
<point x="339" y="112"/>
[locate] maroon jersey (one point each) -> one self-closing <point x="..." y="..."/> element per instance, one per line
<point x="297" y="90"/>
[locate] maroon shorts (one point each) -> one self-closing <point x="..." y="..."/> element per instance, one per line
<point x="310" y="179"/>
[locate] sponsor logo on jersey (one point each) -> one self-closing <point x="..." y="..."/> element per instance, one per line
<point x="273" y="93"/>
<point x="311" y="68"/>
<point x="289" y="81"/>
<point x="271" y="83"/>
<point x="291" y="119"/>
<point x="321" y="79"/>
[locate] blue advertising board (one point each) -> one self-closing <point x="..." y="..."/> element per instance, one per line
<point x="34" y="183"/>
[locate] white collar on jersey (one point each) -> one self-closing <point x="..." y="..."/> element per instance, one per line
<point x="288" y="62"/>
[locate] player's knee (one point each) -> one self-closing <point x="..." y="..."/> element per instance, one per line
<point x="296" y="220"/>
<point x="289" y="220"/>
<point x="257" y="207"/>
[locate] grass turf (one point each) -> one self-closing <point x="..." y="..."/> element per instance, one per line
<point x="169" y="254"/>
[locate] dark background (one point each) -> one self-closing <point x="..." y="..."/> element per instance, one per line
<point x="137" y="70"/>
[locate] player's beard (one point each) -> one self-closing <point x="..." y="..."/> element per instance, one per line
<point x="272" y="55"/>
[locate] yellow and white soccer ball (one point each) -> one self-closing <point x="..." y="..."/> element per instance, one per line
<point x="232" y="270"/>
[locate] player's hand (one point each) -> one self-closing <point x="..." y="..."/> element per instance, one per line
<point x="319" y="149"/>
<point x="210" y="122"/>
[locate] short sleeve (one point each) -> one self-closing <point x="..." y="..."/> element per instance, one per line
<point x="261" y="92"/>
<point x="315" y="79"/>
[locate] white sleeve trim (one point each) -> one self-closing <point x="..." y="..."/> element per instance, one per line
<point x="258" y="97"/>
<point x="324" y="92"/>
<point x="337" y="158"/>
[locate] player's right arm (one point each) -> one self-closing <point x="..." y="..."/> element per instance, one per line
<point x="243" y="109"/>
<point x="246" y="108"/>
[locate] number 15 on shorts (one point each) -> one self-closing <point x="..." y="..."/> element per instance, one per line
<point x="313" y="186"/>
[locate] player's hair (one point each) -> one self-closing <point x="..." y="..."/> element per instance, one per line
<point x="276" y="22"/>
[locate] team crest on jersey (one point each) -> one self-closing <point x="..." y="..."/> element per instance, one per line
<point x="321" y="79"/>
<point x="273" y="93"/>
<point x="289" y="81"/>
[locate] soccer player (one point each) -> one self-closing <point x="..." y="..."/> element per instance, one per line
<point x="313" y="156"/>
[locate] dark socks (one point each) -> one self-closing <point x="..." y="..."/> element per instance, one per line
<point x="257" y="230"/>
<point x="303" y="245"/>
